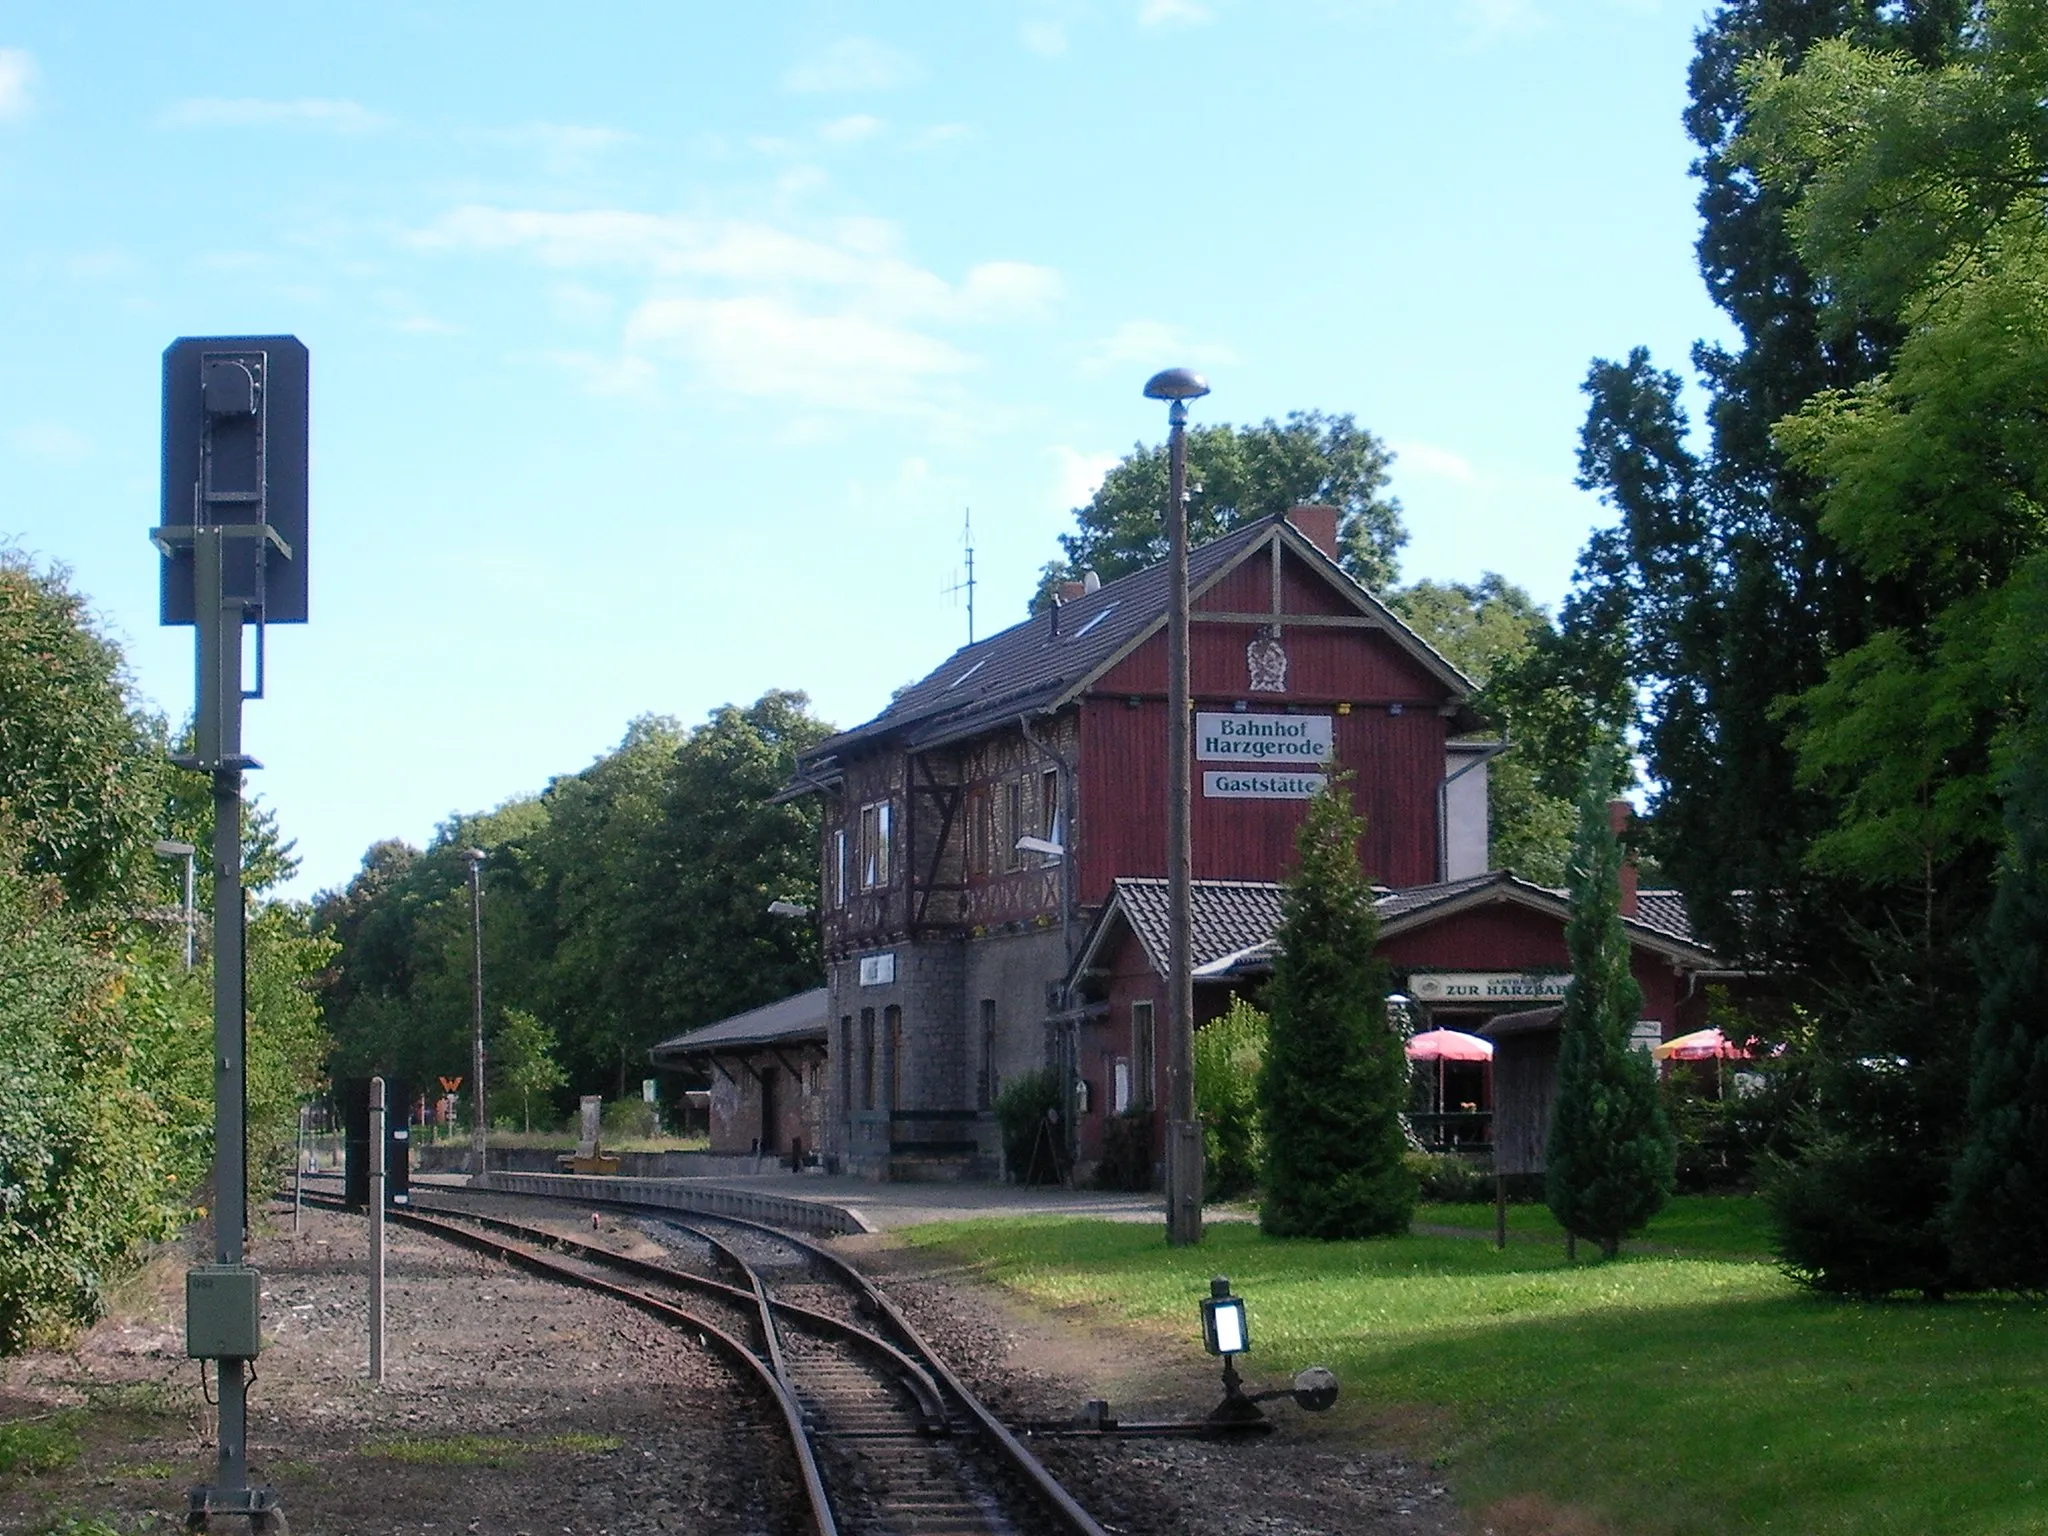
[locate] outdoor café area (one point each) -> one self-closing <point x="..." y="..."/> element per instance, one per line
<point x="1451" y="1105"/>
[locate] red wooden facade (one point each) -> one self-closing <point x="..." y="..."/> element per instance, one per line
<point x="1055" y="730"/>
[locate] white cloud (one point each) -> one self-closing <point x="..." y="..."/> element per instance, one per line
<point x="1077" y="475"/>
<point x="50" y="440"/>
<point x="852" y="64"/>
<point x="1003" y="290"/>
<point x="560" y="138"/>
<point x="941" y="133"/>
<point x="101" y="266"/>
<point x="833" y="318"/>
<point x="1044" y="37"/>
<point x="850" y="130"/>
<point x="768" y="348"/>
<point x="560" y="147"/>
<point x="17" y="69"/>
<point x="1153" y="344"/>
<point x="1159" y="13"/>
<point x="617" y="377"/>
<point x="337" y="115"/>
<point x="860" y="260"/>
<point x="1491" y="19"/>
<point x="1429" y="459"/>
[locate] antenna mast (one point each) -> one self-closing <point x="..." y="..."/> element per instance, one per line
<point x="967" y="583"/>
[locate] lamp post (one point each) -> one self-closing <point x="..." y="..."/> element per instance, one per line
<point x="169" y="848"/>
<point x="1183" y="1132"/>
<point x="481" y="1173"/>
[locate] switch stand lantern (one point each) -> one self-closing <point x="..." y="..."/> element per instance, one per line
<point x="1225" y="1333"/>
<point x="233" y="539"/>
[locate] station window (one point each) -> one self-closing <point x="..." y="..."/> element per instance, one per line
<point x="1143" y="1060"/>
<point x="985" y="1083"/>
<point x="867" y="1058"/>
<point x="1013" y="823"/>
<point x="874" y="845"/>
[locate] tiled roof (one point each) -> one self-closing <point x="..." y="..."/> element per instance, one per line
<point x="1420" y="898"/>
<point x="1225" y="917"/>
<point x="1233" y="922"/>
<point x="1029" y="666"/>
<point x="788" y="1022"/>
<point x="1665" y="910"/>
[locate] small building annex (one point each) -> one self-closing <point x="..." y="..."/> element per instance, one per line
<point x="767" y="1072"/>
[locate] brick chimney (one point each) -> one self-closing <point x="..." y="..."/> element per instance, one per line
<point x="1619" y="814"/>
<point x="1317" y="524"/>
<point x="1073" y="591"/>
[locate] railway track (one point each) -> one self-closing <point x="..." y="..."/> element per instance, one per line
<point x="889" y="1442"/>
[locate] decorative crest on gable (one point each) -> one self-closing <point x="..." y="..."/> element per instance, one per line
<point x="1267" y="659"/>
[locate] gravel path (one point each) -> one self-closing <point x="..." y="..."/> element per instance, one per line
<point x="515" y="1407"/>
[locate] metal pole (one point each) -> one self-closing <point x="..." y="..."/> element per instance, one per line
<point x="478" y="1153"/>
<point x="299" y="1172"/>
<point x="219" y="720"/>
<point x="379" y="1140"/>
<point x="1183" y="1132"/>
<point x="191" y="912"/>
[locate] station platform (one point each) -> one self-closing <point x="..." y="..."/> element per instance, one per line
<point x="827" y="1202"/>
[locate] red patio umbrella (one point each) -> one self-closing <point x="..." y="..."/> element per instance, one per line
<point x="1442" y="1045"/>
<point x="1449" y="1045"/>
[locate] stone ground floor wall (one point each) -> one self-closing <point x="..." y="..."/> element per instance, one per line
<point x="916" y="1060"/>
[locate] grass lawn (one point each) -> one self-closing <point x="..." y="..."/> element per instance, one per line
<point x="1667" y="1394"/>
<point x="1694" y="1226"/>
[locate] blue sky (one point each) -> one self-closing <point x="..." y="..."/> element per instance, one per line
<point x="658" y="349"/>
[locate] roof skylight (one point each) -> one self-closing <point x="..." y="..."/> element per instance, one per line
<point x="968" y="673"/>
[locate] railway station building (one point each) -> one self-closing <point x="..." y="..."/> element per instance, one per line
<point x="994" y="847"/>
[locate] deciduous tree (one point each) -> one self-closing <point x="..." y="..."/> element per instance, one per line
<point x="1237" y="475"/>
<point x="1485" y="629"/>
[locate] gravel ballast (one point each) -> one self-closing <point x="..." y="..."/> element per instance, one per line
<point x="514" y="1406"/>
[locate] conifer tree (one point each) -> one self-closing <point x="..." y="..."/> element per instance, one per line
<point x="1999" y="1219"/>
<point x="1335" y="1077"/>
<point x="1612" y="1159"/>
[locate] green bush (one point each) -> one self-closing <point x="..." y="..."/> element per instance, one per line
<point x="1228" y="1055"/>
<point x="1126" y="1152"/>
<point x="1021" y="1110"/>
<point x="630" y="1120"/>
<point x="1445" y="1178"/>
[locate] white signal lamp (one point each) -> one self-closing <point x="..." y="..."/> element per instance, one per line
<point x="1223" y="1320"/>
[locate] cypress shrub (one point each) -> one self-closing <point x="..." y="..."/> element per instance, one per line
<point x="1335" y="1077"/>
<point x="1998" y="1218"/>
<point x="1860" y="1199"/>
<point x="1611" y="1159"/>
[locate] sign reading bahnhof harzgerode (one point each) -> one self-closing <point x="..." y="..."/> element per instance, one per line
<point x="1280" y="757"/>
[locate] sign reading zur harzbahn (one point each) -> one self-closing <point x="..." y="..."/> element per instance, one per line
<point x="1278" y="757"/>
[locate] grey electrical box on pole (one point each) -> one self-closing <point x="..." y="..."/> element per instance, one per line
<point x="233" y="540"/>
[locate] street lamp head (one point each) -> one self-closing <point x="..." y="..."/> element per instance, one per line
<point x="171" y="848"/>
<point x="782" y="908"/>
<point x="1046" y="846"/>
<point x="1176" y="384"/>
<point x="475" y="855"/>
